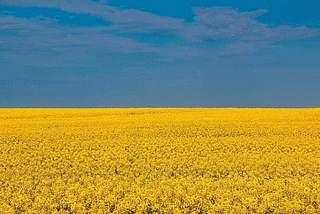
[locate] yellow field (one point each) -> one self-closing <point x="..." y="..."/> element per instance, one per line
<point x="160" y="160"/>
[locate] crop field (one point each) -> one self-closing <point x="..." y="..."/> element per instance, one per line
<point x="160" y="160"/>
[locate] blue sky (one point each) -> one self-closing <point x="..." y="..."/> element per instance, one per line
<point x="91" y="53"/>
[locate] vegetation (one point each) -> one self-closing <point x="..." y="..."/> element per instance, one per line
<point x="160" y="160"/>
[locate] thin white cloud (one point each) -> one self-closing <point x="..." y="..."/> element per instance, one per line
<point x="126" y="20"/>
<point x="245" y="47"/>
<point x="227" y="23"/>
<point x="257" y="13"/>
<point x="285" y="32"/>
<point x="35" y="34"/>
<point x="19" y="24"/>
<point x="210" y="23"/>
<point x="135" y="20"/>
<point x="36" y="38"/>
<point x="242" y="29"/>
<point x="77" y="6"/>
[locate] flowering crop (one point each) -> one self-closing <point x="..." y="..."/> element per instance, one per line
<point x="160" y="160"/>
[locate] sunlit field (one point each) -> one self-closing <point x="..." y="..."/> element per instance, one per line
<point x="160" y="160"/>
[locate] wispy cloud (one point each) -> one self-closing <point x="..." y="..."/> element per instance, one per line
<point x="246" y="47"/>
<point x="210" y="23"/>
<point x="78" y="6"/>
<point x="242" y="29"/>
<point x="44" y="42"/>
<point x="135" y="20"/>
<point x="128" y="19"/>
<point x="33" y="38"/>
<point x="227" y="23"/>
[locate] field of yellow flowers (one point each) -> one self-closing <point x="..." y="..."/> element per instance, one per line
<point x="160" y="160"/>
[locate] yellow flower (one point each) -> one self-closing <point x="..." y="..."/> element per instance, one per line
<point x="168" y="160"/>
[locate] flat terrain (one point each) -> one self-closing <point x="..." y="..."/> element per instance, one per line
<point x="160" y="160"/>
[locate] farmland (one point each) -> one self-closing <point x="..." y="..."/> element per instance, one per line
<point x="160" y="160"/>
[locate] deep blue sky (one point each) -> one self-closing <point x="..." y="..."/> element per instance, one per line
<point x="137" y="53"/>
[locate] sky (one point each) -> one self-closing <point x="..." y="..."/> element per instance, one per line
<point x="159" y="53"/>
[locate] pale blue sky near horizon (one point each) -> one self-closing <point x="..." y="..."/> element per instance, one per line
<point x="100" y="53"/>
